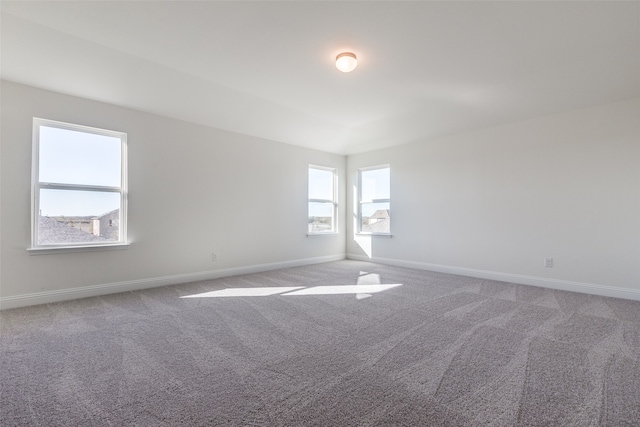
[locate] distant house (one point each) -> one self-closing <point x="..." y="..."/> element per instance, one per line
<point x="379" y="222"/>
<point x="79" y="229"/>
<point x="320" y="224"/>
<point x="109" y="225"/>
<point x="379" y="215"/>
<point x="83" y="223"/>
<point x="53" y="231"/>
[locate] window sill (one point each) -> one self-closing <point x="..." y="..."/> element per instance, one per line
<point x="333" y="233"/>
<point x="389" y="235"/>
<point x="79" y="248"/>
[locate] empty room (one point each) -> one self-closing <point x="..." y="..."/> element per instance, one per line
<point x="320" y="213"/>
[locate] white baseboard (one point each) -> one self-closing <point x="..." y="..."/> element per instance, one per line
<point x="134" y="285"/>
<point x="565" y="285"/>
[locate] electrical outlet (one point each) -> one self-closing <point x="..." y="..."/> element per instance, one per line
<point x="548" y="262"/>
<point x="214" y="256"/>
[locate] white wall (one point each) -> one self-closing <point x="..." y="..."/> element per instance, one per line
<point x="495" y="202"/>
<point x="490" y="203"/>
<point x="192" y="190"/>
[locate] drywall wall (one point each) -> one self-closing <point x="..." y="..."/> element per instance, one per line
<point x="495" y="202"/>
<point x="192" y="190"/>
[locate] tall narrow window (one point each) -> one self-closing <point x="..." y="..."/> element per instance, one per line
<point x="79" y="186"/>
<point x="375" y="200"/>
<point x="322" y="200"/>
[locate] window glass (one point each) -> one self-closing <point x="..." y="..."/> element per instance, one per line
<point x="77" y="203"/>
<point x="320" y="184"/>
<point x="79" y="187"/>
<point x="72" y="157"/>
<point x="375" y="200"/>
<point x="375" y="184"/>
<point x="322" y="206"/>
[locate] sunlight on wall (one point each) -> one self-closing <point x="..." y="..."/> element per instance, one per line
<point x="364" y="241"/>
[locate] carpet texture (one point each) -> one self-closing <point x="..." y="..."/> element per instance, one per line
<point x="289" y="348"/>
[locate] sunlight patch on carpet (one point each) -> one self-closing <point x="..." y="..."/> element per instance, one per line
<point x="366" y="284"/>
<point x="343" y="289"/>
<point x="245" y="292"/>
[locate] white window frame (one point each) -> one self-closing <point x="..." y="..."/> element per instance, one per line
<point x="333" y="202"/>
<point x="36" y="186"/>
<point x="361" y="201"/>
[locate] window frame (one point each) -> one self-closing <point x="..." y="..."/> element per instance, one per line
<point x="361" y="201"/>
<point x="37" y="186"/>
<point x="333" y="202"/>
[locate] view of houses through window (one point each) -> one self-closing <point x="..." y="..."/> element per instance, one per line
<point x="375" y="200"/>
<point x="322" y="200"/>
<point x="79" y="229"/>
<point x="79" y="189"/>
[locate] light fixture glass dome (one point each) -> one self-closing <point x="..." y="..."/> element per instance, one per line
<point x="346" y="62"/>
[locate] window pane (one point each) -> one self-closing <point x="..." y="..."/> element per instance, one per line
<point x="73" y="157"/>
<point x="320" y="217"/>
<point x="78" y="217"/>
<point x="320" y="184"/>
<point x="376" y="218"/>
<point x="375" y="184"/>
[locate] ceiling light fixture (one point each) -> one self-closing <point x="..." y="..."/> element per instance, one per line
<point x="346" y="62"/>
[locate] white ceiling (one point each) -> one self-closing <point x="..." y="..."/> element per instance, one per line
<point x="267" y="68"/>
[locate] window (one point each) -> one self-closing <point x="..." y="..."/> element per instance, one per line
<point x="79" y="195"/>
<point x="322" y="200"/>
<point x="374" y="200"/>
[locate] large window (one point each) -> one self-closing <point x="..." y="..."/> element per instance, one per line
<point x="374" y="200"/>
<point x="322" y="200"/>
<point x="79" y="179"/>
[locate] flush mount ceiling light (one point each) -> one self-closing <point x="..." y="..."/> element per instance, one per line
<point x="346" y="62"/>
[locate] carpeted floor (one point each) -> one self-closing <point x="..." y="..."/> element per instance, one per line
<point x="439" y="350"/>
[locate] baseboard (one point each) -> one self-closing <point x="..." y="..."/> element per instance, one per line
<point x="135" y="285"/>
<point x="565" y="285"/>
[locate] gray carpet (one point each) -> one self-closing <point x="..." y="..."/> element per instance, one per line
<point x="440" y="350"/>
